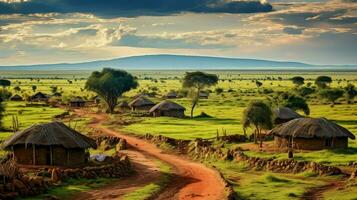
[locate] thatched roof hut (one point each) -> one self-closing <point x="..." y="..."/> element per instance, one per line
<point x="311" y="134"/>
<point x="285" y="114"/>
<point x="141" y="103"/>
<point x="16" y="97"/>
<point x="204" y="95"/>
<point x="77" y="102"/>
<point x="168" y="108"/>
<point x="39" y="96"/>
<point x="124" y="105"/>
<point x="171" y="95"/>
<point x="51" y="143"/>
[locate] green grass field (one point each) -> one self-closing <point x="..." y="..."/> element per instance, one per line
<point x="225" y="110"/>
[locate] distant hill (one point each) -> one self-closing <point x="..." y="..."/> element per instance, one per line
<point x="180" y="62"/>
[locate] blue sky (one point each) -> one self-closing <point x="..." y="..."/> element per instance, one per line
<point x="54" y="31"/>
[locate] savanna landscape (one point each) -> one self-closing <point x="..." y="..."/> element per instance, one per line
<point x="178" y="100"/>
<point x="214" y="119"/>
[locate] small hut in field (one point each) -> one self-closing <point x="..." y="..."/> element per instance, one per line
<point x="50" y="144"/>
<point x="204" y="95"/>
<point x="169" y="109"/>
<point x="39" y="97"/>
<point x="124" y="106"/>
<point x="16" y="97"/>
<point x="141" y="103"/>
<point x="311" y="134"/>
<point x="77" y="102"/>
<point x="285" y="114"/>
<point x="171" y="95"/>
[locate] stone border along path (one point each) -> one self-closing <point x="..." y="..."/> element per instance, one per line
<point x="190" y="180"/>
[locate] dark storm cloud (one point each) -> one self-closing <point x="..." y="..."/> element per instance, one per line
<point x="133" y="8"/>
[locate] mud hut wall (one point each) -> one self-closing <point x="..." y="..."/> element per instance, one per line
<point x="174" y="113"/>
<point x="142" y="108"/>
<point x="77" y="104"/>
<point x="59" y="156"/>
<point x="76" y="157"/>
<point x="311" y="143"/>
<point x="42" y="155"/>
<point x="23" y="155"/>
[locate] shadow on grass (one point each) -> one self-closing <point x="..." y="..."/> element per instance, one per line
<point x="348" y="151"/>
<point x="345" y="122"/>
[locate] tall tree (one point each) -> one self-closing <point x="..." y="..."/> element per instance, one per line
<point x="34" y="88"/>
<point x="323" y="81"/>
<point x="331" y="95"/>
<point x="4" y="83"/>
<point x="110" y="84"/>
<point x="350" y="92"/>
<point x="298" y="80"/>
<point x="292" y="101"/>
<point x="259" y="115"/>
<point x="196" y="82"/>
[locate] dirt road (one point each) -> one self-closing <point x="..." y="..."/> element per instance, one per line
<point x="191" y="180"/>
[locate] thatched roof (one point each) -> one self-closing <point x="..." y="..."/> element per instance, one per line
<point x="172" y="94"/>
<point x="286" y="113"/>
<point x="311" y="128"/>
<point x="141" y="101"/>
<point x="167" y="105"/>
<point x="53" y="133"/>
<point x="204" y="94"/>
<point x="77" y="100"/>
<point x="39" y="95"/>
<point x="16" y="97"/>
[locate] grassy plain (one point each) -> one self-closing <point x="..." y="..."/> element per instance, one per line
<point x="226" y="110"/>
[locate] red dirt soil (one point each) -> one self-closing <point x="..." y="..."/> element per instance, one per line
<point x="191" y="180"/>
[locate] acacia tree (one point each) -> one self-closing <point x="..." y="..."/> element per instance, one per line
<point x="292" y="101"/>
<point x="4" y="83"/>
<point x="331" y="95"/>
<point x="350" y="92"/>
<point x="110" y="84"/>
<point x="323" y="81"/>
<point x="259" y="115"/>
<point x="298" y="80"/>
<point x="34" y="88"/>
<point x="196" y="82"/>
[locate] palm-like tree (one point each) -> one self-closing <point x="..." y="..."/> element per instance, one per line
<point x="258" y="114"/>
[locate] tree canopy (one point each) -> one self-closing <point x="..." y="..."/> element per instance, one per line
<point x="323" y="81"/>
<point x="292" y="101"/>
<point x="298" y="80"/>
<point x="196" y="82"/>
<point x="110" y="84"/>
<point x="259" y="115"/>
<point x="350" y="92"/>
<point x="5" y="83"/>
<point x="331" y="94"/>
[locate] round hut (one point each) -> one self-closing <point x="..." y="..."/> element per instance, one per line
<point x="124" y="106"/>
<point x="204" y="95"/>
<point x="16" y="97"/>
<point x="39" y="97"/>
<point x="77" y="102"/>
<point x="311" y="134"/>
<point x="285" y="114"/>
<point x="141" y="103"/>
<point x="169" y="109"/>
<point x="171" y="95"/>
<point x="50" y="144"/>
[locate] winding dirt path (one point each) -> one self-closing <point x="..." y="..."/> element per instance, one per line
<point x="146" y="172"/>
<point x="191" y="180"/>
